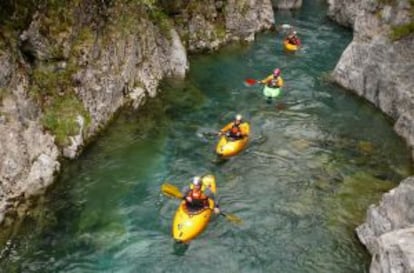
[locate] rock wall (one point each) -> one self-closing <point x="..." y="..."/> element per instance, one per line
<point x="76" y="63"/>
<point x="287" y="4"/>
<point x="388" y="232"/>
<point x="375" y="66"/>
<point x="378" y="65"/>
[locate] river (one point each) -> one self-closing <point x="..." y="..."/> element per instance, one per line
<point x="318" y="157"/>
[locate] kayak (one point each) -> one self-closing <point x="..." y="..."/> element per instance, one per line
<point x="270" y="92"/>
<point x="188" y="224"/>
<point x="228" y="147"/>
<point x="290" y="47"/>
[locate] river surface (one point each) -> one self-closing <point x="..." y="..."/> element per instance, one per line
<point x="319" y="156"/>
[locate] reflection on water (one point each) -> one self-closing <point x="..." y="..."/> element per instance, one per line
<point x="318" y="157"/>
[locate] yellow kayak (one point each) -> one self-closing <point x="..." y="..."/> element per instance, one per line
<point x="189" y="224"/>
<point x="228" y="147"/>
<point x="289" y="47"/>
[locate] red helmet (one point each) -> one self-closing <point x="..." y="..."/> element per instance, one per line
<point x="276" y="72"/>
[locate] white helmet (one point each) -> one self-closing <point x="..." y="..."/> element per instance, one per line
<point x="196" y="180"/>
<point x="239" y="117"/>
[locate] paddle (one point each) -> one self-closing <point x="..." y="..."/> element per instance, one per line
<point x="172" y="191"/>
<point x="250" y="82"/>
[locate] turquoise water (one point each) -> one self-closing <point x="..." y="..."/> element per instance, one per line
<point x="318" y="157"/>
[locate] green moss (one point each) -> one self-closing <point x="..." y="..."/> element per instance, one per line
<point x="48" y="82"/>
<point x="398" y="32"/>
<point x="84" y="39"/>
<point x="159" y="18"/>
<point x="61" y="117"/>
<point x="3" y="93"/>
<point x="54" y="92"/>
<point x="221" y="31"/>
<point x="401" y="31"/>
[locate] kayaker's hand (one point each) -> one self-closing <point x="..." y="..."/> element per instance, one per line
<point x="216" y="210"/>
<point x="189" y="199"/>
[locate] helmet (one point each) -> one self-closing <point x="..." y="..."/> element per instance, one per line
<point x="294" y="32"/>
<point x="196" y="180"/>
<point x="276" y="72"/>
<point x="239" y="117"/>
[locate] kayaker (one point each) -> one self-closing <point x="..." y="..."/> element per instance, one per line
<point x="293" y="39"/>
<point x="233" y="129"/>
<point x="196" y="198"/>
<point x="274" y="80"/>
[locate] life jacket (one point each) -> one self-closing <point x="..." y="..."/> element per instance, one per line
<point x="293" y="40"/>
<point x="235" y="129"/>
<point x="275" y="82"/>
<point x="199" y="198"/>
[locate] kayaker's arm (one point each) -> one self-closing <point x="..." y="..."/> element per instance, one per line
<point x="226" y="128"/>
<point x="185" y="190"/>
<point x="266" y="80"/>
<point x="211" y="196"/>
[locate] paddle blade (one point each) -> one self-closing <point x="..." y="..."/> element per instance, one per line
<point x="232" y="218"/>
<point x="250" y="82"/>
<point x="171" y="190"/>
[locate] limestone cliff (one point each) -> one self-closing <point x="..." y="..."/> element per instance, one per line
<point x="287" y="4"/>
<point x="66" y="67"/>
<point x="378" y="65"/>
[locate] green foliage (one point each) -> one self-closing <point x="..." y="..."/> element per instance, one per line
<point x="61" y="117"/>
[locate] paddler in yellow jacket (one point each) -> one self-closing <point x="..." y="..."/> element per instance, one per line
<point x="235" y="129"/>
<point x="274" y="80"/>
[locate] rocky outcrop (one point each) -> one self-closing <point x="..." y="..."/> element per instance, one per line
<point x="287" y="4"/>
<point x="388" y="232"/>
<point x="375" y="66"/>
<point x="207" y="25"/>
<point x="62" y="80"/>
<point x="378" y="65"/>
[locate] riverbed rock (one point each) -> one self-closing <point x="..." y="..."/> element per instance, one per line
<point x="388" y="232"/>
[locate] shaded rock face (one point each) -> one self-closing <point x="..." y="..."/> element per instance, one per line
<point x="381" y="70"/>
<point x="376" y="67"/>
<point x="91" y="57"/>
<point x="287" y="4"/>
